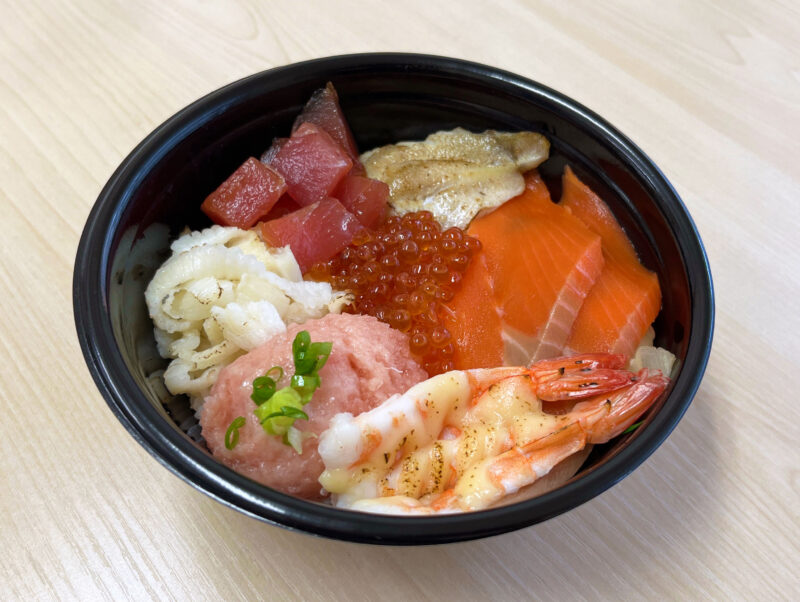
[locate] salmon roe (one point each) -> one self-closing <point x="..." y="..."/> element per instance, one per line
<point x="403" y="273"/>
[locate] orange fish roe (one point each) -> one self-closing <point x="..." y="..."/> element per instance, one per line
<point x="402" y="273"/>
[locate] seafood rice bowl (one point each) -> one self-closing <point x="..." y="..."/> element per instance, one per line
<point x="412" y="327"/>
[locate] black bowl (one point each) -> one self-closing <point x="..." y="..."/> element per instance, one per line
<point x="387" y="97"/>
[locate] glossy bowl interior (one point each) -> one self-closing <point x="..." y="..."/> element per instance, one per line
<point x="157" y="190"/>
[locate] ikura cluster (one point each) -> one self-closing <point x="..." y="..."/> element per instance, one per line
<point x="403" y="273"/>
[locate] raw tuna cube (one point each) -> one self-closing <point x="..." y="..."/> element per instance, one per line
<point x="284" y="206"/>
<point x="268" y="155"/>
<point x="323" y="110"/>
<point x="312" y="164"/>
<point x="246" y="196"/>
<point x="314" y="233"/>
<point x="365" y="198"/>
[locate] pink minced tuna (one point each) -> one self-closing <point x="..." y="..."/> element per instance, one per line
<point x="369" y="363"/>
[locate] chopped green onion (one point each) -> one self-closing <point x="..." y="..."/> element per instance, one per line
<point x="262" y="395"/>
<point x="301" y="342"/>
<point x="305" y="385"/>
<point x="263" y="382"/>
<point x="320" y="353"/>
<point x="278" y="409"/>
<point x="295" y="413"/>
<point x="289" y="412"/>
<point x="304" y="364"/>
<point x="272" y="415"/>
<point x="275" y="373"/>
<point x="264" y="386"/>
<point x="263" y="389"/>
<point x="232" y="434"/>
<point x="632" y="428"/>
<point x="309" y="357"/>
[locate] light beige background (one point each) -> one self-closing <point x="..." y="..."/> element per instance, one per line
<point x="711" y="90"/>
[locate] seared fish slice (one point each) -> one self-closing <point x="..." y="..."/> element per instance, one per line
<point x="456" y="174"/>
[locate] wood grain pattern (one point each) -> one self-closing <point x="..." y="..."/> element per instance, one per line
<point x="710" y="90"/>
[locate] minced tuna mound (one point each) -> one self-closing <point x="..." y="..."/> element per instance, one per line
<point x="369" y="362"/>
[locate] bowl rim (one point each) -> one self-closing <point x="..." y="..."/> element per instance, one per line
<point x="177" y="453"/>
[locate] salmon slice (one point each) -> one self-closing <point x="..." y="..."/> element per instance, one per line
<point x="473" y="319"/>
<point x="626" y="297"/>
<point x="521" y="293"/>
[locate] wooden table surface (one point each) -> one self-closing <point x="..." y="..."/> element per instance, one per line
<point x="710" y="90"/>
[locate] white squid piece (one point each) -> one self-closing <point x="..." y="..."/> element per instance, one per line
<point x="224" y="292"/>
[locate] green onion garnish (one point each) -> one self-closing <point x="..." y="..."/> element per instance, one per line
<point x="264" y="386"/>
<point x="271" y="415"/>
<point x="309" y="358"/>
<point x="279" y="408"/>
<point x="305" y="385"/>
<point x="295" y="413"/>
<point x="632" y="428"/>
<point x="304" y="364"/>
<point x="232" y="434"/>
<point x="319" y="352"/>
<point x="301" y="343"/>
<point x="276" y="372"/>
<point x="263" y="389"/>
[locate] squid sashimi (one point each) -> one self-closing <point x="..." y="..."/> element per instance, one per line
<point x="520" y="295"/>
<point x="626" y="298"/>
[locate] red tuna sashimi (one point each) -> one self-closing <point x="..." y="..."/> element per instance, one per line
<point x="323" y="110"/>
<point x="312" y="163"/>
<point x="268" y="155"/>
<point x="314" y="233"/>
<point x="365" y="198"/>
<point x="626" y="297"/>
<point x="246" y="196"/>
<point x="284" y="206"/>
<point x="521" y="293"/>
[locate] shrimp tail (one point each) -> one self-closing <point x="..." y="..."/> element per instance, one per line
<point x="579" y="376"/>
<point x="552" y="369"/>
<point x="578" y="385"/>
<point x="624" y="407"/>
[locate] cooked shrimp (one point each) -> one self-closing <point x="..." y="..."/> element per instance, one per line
<point x="465" y="439"/>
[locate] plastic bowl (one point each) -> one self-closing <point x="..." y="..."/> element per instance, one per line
<point x="158" y="188"/>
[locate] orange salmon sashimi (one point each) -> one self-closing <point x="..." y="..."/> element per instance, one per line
<point x="626" y="297"/>
<point x="521" y="293"/>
